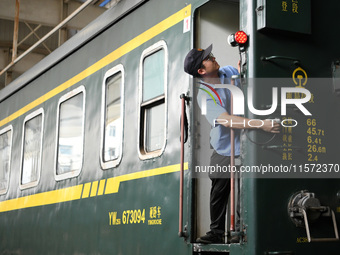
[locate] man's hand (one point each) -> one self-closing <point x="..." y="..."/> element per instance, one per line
<point x="271" y="126"/>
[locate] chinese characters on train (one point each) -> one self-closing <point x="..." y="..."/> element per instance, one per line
<point x="292" y="6"/>
<point x="314" y="132"/>
<point x="151" y="216"/>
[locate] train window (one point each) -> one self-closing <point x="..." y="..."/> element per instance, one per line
<point x="112" y="112"/>
<point x="5" y="157"/>
<point x="31" y="149"/>
<point x="70" y="134"/>
<point x="153" y="87"/>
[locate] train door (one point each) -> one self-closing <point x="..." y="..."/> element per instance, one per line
<point x="214" y="21"/>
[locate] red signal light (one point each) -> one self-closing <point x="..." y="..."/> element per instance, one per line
<point x="241" y="37"/>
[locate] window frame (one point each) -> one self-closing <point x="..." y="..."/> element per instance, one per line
<point x="28" y="118"/>
<point x="3" y="131"/>
<point x="64" y="98"/>
<point x="142" y="153"/>
<point x="111" y="72"/>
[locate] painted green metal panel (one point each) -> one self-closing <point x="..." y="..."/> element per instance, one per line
<point x="83" y="225"/>
<point x="292" y="15"/>
<point x="269" y="228"/>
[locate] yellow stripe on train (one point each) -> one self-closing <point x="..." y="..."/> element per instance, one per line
<point x="90" y="189"/>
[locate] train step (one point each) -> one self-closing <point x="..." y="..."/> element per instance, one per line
<point x="204" y="249"/>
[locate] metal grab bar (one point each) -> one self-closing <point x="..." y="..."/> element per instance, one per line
<point x="232" y="163"/>
<point x="312" y="239"/>
<point x="301" y="203"/>
<point x="182" y="233"/>
<point x="296" y="61"/>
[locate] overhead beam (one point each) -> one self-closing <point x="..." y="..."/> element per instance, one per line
<point x="22" y="47"/>
<point x="60" y="25"/>
<point x="16" y="30"/>
<point x="37" y="36"/>
<point x="62" y="33"/>
<point x="48" y="12"/>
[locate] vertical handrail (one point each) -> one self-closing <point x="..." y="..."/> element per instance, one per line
<point x="180" y="227"/>
<point x="232" y="164"/>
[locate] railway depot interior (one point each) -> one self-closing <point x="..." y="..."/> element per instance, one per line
<point x="95" y="137"/>
<point x="35" y="20"/>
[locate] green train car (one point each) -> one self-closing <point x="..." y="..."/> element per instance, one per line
<point x="91" y="159"/>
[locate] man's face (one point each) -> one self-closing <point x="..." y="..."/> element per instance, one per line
<point x="210" y="65"/>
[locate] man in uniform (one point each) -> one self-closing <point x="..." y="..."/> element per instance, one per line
<point x="202" y="64"/>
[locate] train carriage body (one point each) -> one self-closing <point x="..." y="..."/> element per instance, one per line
<point x="90" y="151"/>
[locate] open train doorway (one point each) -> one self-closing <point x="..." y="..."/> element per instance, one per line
<point x="214" y="21"/>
